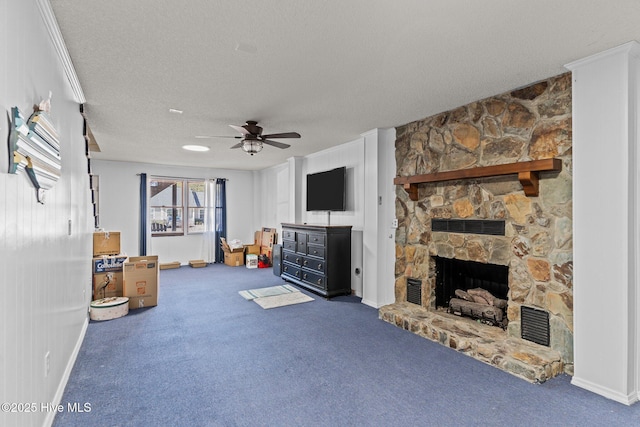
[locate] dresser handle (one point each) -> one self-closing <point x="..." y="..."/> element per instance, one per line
<point x="304" y="276"/>
<point x="319" y="266"/>
<point x="319" y="281"/>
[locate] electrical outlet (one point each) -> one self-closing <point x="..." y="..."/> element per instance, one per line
<point x="47" y="363"/>
<point x="394" y="223"/>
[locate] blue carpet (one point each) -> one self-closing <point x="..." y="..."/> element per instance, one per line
<point x="205" y="356"/>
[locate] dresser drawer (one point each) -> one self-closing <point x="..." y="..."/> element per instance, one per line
<point x="313" y="264"/>
<point x="301" y="240"/>
<point x="316" y="251"/>
<point x="291" y="270"/>
<point x="316" y="239"/>
<point x="292" y="257"/>
<point x="317" y="280"/>
<point x="288" y="235"/>
<point x="289" y="245"/>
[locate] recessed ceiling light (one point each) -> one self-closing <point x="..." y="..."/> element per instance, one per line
<point x="174" y="111"/>
<point x="195" y="147"/>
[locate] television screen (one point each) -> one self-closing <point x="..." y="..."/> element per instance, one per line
<point x="326" y="190"/>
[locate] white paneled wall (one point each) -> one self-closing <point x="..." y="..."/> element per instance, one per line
<point x="45" y="249"/>
<point x="271" y="193"/>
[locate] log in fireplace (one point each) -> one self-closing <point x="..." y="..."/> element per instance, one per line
<point x="473" y="289"/>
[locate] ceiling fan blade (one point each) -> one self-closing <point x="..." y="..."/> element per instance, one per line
<point x="275" y="143"/>
<point x="215" y="136"/>
<point x="241" y="129"/>
<point x="238" y="145"/>
<point x="283" y="135"/>
<point x="252" y="127"/>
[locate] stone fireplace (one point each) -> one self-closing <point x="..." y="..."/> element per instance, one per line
<point x="529" y="237"/>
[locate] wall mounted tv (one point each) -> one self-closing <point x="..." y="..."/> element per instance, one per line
<point x="326" y="190"/>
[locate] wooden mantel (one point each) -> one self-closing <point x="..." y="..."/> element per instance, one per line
<point x="527" y="174"/>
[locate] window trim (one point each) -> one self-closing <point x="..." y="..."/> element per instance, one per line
<point x="184" y="207"/>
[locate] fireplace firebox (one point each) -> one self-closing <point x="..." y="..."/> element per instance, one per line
<point x="472" y="289"/>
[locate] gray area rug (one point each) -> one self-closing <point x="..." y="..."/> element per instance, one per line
<point x="267" y="292"/>
<point x="282" y="300"/>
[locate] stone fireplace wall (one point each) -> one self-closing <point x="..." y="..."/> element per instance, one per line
<point x="530" y="123"/>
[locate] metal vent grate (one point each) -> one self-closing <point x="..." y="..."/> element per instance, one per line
<point x="469" y="226"/>
<point x="414" y="291"/>
<point x="535" y="325"/>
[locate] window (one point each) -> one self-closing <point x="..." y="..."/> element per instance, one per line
<point x="170" y="199"/>
<point x="196" y="206"/>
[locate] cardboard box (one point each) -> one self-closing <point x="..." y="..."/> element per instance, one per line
<point x="227" y="248"/>
<point x="252" y="249"/>
<point x="170" y="265"/>
<point x="106" y="243"/>
<point x="107" y="276"/>
<point x="141" y="281"/>
<point x="197" y="263"/>
<point x="252" y="261"/>
<point x="233" y="255"/>
<point x="266" y="237"/>
<point x="234" y="259"/>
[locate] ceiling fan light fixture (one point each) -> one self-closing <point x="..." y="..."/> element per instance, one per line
<point x="252" y="147"/>
<point x="190" y="147"/>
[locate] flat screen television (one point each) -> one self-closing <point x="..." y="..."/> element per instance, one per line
<point x="326" y="190"/>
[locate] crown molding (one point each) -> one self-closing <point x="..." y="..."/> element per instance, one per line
<point x="61" y="48"/>
<point x="631" y="48"/>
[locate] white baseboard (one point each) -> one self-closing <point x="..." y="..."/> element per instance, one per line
<point x="370" y="303"/>
<point x="48" y="421"/>
<point x="627" y="399"/>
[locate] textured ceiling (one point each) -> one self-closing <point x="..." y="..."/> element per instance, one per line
<point x="330" y="70"/>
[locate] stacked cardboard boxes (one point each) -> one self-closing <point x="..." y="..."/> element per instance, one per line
<point x="107" y="265"/>
<point x="266" y="238"/>
<point x="235" y="251"/>
<point x="116" y="275"/>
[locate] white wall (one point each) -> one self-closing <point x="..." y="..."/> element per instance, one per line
<point x="120" y="207"/>
<point x="45" y="272"/>
<point x="606" y="241"/>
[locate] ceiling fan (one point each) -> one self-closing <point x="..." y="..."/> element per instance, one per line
<point x="253" y="139"/>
